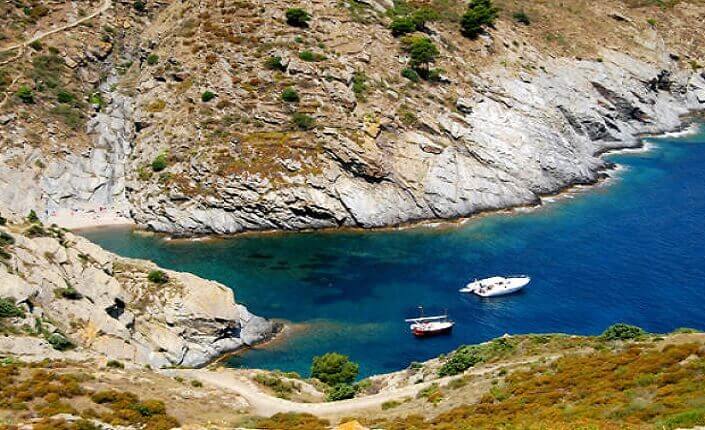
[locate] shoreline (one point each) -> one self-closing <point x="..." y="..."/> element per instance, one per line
<point x="79" y="219"/>
<point x="691" y="124"/>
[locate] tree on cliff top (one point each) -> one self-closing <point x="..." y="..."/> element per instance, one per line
<point x="334" y="368"/>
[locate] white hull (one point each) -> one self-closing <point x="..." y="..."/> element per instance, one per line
<point x="496" y="286"/>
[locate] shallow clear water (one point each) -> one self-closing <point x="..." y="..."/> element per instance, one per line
<point x="632" y="251"/>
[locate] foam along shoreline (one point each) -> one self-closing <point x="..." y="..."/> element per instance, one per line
<point x="77" y="219"/>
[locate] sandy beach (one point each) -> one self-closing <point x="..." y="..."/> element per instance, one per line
<point x="78" y="219"/>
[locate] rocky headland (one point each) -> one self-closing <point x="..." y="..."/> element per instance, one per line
<point x="74" y="296"/>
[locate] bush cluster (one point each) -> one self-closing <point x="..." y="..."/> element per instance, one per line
<point x="341" y="392"/>
<point x="462" y="359"/>
<point x="297" y="17"/>
<point x="8" y="309"/>
<point x="414" y="21"/>
<point x="281" y="387"/>
<point x="274" y="63"/>
<point x="622" y="331"/>
<point x="290" y="95"/>
<point x="303" y="121"/>
<point x="159" y="163"/>
<point x="158" y="277"/>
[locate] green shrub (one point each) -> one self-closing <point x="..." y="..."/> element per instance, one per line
<point x="158" y="277"/>
<point x="652" y="22"/>
<point x="341" y="392"/>
<point x="196" y="383"/>
<point x="434" y="75"/>
<point x="64" y="96"/>
<point x="303" y="121"/>
<point x="139" y="5"/>
<point x="96" y="99"/>
<point x="36" y="45"/>
<point x="622" y="331"/>
<point x="410" y="74"/>
<point x="68" y="293"/>
<point x="402" y="25"/>
<point x="280" y="386"/>
<point x="114" y="364"/>
<point x="152" y="59"/>
<point x="35" y="230"/>
<point x="462" y="359"/>
<point x="334" y="368"/>
<point x="59" y="342"/>
<point x="6" y="239"/>
<point x="25" y="94"/>
<point x="297" y="17"/>
<point x="423" y="15"/>
<point x="480" y="14"/>
<point x="521" y="17"/>
<point x="390" y="404"/>
<point x="3" y="220"/>
<point x="8" y="309"/>
<point x="359" y="83"/>
<point x="290" y="95"/>
<point x="159" y="163"/>
<point x="207" y="96"/>
<point x="309" y="56"/>
<point x="32" y="217"/>
<point x="274" y="63"/>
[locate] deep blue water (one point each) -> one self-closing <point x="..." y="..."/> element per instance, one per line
<point x="632" y="251"/>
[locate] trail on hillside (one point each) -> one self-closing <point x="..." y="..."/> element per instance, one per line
<point x="21" y="46"/>
<point x="105" y="6"/>
<point x="267" y="405"/>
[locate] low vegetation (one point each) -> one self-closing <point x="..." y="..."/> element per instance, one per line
<point x="46" y="389"/>
<point x="158" y="277"/>
<point x="297" y="17"/>
<point x="293" y="421"/>
<point x="637" y="386"/>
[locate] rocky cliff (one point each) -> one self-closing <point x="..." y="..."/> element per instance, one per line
<point x="72" y="290"/>
<point x="187" y="132"/>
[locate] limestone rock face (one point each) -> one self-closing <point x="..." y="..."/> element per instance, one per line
<point x="107" y="305"/>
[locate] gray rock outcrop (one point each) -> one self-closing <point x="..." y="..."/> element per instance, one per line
<point x="107" y="304"/>
<point x="511" y="140"/>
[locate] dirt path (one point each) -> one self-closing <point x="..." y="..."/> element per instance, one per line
<point x="267" y="405"/>
<point x="21" y="46"/>
<point x="105" y="6"/>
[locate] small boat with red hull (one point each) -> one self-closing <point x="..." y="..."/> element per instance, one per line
<point x="430" y="326"/>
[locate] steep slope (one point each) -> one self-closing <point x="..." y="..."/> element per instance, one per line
<point x="189" y="133"/>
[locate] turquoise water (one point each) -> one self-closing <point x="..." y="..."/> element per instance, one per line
<point x="632" y="251"/>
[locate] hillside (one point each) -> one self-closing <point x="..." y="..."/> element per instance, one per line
<point x="532" y="382"/>
<point x="173" y="114"/>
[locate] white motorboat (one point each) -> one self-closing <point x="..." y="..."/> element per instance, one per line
<point x="496" y="286"/>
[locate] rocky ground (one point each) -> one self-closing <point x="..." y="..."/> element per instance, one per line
<point x="63" y="291"/>
<point x="521" y="111"/>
